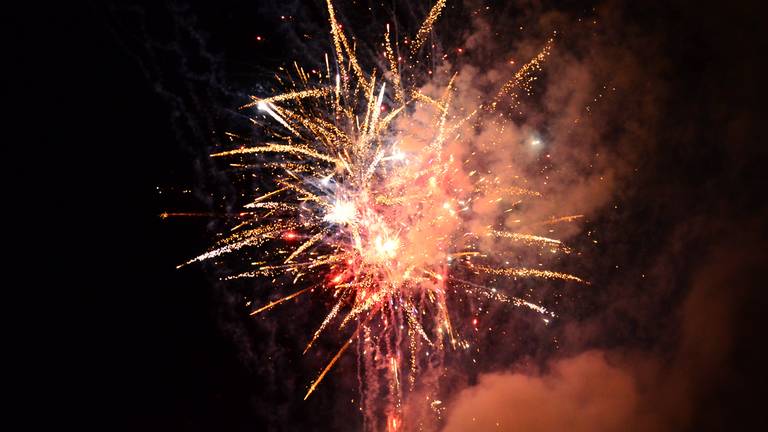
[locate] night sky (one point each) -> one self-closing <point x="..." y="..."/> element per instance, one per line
<point x="120" y="102"/>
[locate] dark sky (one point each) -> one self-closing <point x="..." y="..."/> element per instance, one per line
<point x="118" y="99"/>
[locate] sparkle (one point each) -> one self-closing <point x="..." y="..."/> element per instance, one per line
<point x="342" y="212"/>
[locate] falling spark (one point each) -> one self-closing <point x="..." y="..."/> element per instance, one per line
<point x="426" y="27"/>
<point x="277" y="302"/>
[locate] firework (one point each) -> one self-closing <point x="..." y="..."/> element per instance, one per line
<point x="380" y="229"/>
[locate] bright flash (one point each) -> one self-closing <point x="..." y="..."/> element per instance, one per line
<point x="341" y="213"/>
<point x="386" y="248"/>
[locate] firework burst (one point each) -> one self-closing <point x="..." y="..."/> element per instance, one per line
<point x="378" y="224"/>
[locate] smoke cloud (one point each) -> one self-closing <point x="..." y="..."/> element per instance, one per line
<point x="622" y="390"/>
<point x="672" y="283"/>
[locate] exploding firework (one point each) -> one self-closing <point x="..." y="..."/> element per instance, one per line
<point x="370" y="207"/>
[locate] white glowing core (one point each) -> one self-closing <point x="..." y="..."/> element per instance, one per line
<point x="386" y="248"/>
<point x="341" y="212"/>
